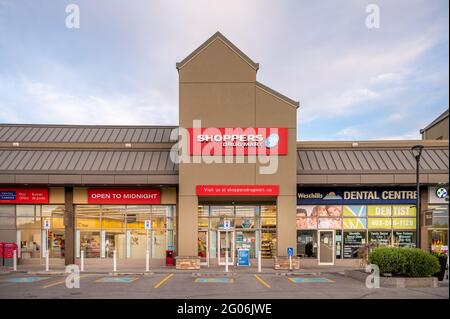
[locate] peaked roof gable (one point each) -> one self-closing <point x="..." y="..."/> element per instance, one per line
<point x="221" y="37"/>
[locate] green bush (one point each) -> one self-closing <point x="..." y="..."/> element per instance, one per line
<point x="410" y="262"/>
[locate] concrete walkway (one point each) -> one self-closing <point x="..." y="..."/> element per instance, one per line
<point x="133" y="268"/>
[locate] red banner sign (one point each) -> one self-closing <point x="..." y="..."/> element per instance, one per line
<point x="237" y="190"/>
<point x="23" y="196"/>
<point x="124" y="196"/>
<point x="238" y="141"/>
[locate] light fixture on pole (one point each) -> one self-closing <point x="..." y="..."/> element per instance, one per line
<point x="417" y="153"/>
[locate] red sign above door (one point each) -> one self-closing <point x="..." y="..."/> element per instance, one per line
<point x="238" y="141"/>
<point x="23" y="196"/>
<point x="237" y="190"/>
<point x="124" y="196"/>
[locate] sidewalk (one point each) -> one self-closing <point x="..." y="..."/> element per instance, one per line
<point x="138" y="269"/>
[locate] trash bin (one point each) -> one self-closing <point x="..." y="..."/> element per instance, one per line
<point x="170" y="258"/>
<point x="8" y="253"/>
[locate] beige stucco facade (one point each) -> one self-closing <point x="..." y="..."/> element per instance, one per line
<point x="217" y="85"/>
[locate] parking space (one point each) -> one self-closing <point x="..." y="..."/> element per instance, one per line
<point x="186" y="285"/>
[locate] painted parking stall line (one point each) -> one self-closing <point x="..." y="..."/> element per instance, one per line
<point x="221" y="280"/>
<point x="159" y="284"/>
<point x="24" y="279"/>
<point x="122" y="280"/>
<point x="310" y="280"/>
<point x="62" y="282"/>
<point x="262" y="281"/>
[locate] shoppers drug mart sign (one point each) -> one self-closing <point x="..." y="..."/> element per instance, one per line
<point x="238" y="141"/>
<point x="237" y="190"/>
<point x="23" y="196"/>
<point x="124" y="196"/>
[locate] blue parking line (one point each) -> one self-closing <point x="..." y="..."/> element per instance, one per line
<point x="215" y="280"/>
<point x="24" y="279"/>
<point x="310" y="280"/>
<point x="117" y="279"/>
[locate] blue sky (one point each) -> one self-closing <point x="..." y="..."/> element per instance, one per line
<point x="353" y="83"/>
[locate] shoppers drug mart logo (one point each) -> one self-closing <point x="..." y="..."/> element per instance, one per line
<point x="272" y="140"/>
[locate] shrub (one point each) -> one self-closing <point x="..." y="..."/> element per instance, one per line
<point x="410" y="262"/>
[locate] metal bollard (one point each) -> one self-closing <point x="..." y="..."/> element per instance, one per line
<point x="46" y="261"/>
<point x="226" y="252"/>
<point x="114" y="261"/>
<point x="82" y="261"/>
<point x="15" y="260"/>
<point x="259" y="260"/>
<point x="147" y="261"/>
<point x="290" y="263"/>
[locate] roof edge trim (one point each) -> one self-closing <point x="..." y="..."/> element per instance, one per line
<point x="278" y="95"/>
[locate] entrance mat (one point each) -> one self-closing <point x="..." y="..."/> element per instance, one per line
<point x="308" y="280"/>
<point x="222" y="280"/>
<point x="24" y="279"/>
<point x="125" y="280"/>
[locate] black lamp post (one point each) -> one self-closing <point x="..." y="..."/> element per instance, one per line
<point x="417" y="153"/>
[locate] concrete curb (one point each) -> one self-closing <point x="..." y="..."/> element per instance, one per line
<point x="202" y="274"/>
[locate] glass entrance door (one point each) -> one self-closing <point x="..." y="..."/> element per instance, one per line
<point x="326" y="247"/>
<point x="225" y="246"/>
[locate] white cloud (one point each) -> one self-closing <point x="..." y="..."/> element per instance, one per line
<point x="48" y="104"/>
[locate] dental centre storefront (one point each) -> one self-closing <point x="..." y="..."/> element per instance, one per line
<point x="334" y="223"/>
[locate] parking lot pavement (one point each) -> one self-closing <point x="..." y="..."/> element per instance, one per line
<point x="186" y="285"/>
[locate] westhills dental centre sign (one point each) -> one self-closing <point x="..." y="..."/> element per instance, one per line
<point x="238" y="141"/>
<point x="358" y="196"/>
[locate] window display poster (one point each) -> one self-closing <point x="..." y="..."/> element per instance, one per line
<point x="307" y="216"/>
<point x="330" y="223"/>
<point x="355" y="223"/>
<point x="403" y="211"/>
<point x="404" y="239"/>
<point x="380" y="237"/>
<point x="380" y="223"/>
<point x="355" y="211"/>
<point x="403" y="223"/>
<point x="379" y="211"/>
<point x="352" y="242"/>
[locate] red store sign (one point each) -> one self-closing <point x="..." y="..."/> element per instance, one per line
<point x="237" y="190"/>
<point x="23" y="196"/>
<point x="238" y="141"/>
<point x="124" y="196"/>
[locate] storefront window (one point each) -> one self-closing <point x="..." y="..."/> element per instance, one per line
<point x="32" y="235"/>
<point x="251" y="225"/>
<point x="353" y="241"/>
<point x="307" y="243"/>
<point x="28" y="221"/>
<point x="404" y="239"/>
<point x="380" y="238"/>
<point x="90" y="244"/>
<point x="103" y="229"/>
